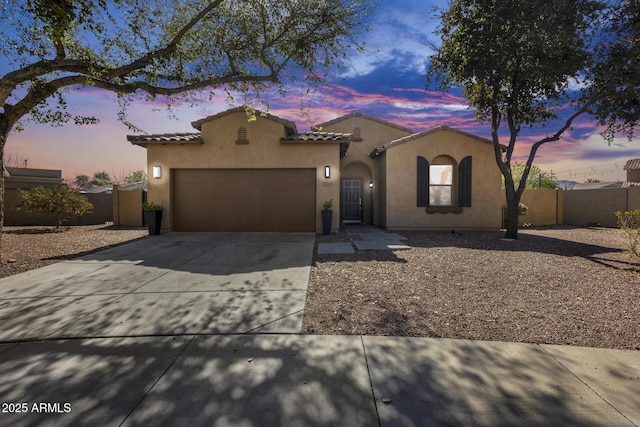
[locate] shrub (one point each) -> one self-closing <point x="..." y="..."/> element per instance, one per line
<point x="147" y="206"/>
<point x="60" y="202"/>
<point x="629" y="223"/>
<point x="522" y="209"/>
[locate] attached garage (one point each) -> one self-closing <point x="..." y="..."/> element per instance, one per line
<point x="244" y="199"/>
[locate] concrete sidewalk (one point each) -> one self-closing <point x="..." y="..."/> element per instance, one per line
<point x="295" y="380"/>
<point x="204" y="329"/>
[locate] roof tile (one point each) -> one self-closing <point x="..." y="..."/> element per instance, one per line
<point x="632" y="164"/>
<point x="165" y="138"/>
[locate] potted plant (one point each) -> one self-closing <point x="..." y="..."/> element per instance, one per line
<point x="327" y="213"/>
<point x="153" y="217"/>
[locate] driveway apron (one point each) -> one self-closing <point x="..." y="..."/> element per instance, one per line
<point x="173" y="284"/>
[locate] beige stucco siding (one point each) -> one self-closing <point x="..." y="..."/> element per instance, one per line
<point x="264" y="150"/>
<point x="401" y="176"/>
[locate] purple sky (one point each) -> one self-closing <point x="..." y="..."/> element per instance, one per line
<point x="387" y="82"/>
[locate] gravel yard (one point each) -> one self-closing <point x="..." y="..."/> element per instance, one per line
<point x="26" y="248"/>
<point x="557" y="285"/>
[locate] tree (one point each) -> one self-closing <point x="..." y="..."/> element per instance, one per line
<point x="137" y="177"/>
<point x="592" y="181"/>
<point x="537" y="177"/>
<point x="82" y="182"/>
<point x="61" y="202"/>
<point x="100" y="179"/>
<point x="167" y="48"/>
<point x="516" y="62"/>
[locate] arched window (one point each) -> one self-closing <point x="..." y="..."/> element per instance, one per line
<point x="242" y="136"/>
<point x="443" y="185"/>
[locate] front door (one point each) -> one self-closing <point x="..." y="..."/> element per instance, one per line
<point x="351" y="199"/>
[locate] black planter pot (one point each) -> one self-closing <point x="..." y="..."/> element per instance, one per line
<point x="154" y="221"/>
<point x="326" y="221"/>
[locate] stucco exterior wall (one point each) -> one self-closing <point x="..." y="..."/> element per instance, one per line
<point x="373" y="134"/>
<point x="633" y="198"/>
<point x="127" y="207"/>
<point x="545" y="207"/>
<point x="633" y="175"/>
<point x="401" y="209"/>
<point x="264" y="150"/>
<point x="584" y="207"/>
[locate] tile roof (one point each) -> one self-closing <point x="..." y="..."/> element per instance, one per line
<point x="318" y="136"/>
<point x="632" y="164"/>
<point x="165" y="138"/>
<point x="628" y="184"/>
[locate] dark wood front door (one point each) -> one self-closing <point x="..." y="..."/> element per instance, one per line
<point x="351" y="199"/>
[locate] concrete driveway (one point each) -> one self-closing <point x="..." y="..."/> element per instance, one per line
<point x="173" y="284"/>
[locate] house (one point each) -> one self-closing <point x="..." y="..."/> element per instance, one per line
<point x="261" y="174"/>
<point x="27" y="178"/>
<point x="633" y="173"/>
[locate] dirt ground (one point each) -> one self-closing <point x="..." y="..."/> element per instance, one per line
<point x="557" y="285"/>
<point x="26" y="248"/>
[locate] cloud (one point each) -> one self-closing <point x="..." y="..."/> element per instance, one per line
<point x="401" y="29"/>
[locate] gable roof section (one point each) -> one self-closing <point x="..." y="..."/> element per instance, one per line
<point x="289" y="125"/>
<point x="632" y="165"/>
<point x="400" y="141"/>
<point x="364" y="116"/>
<point x="165" y="138"/>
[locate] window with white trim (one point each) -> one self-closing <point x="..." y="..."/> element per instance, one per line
<point x="441" y="185"/>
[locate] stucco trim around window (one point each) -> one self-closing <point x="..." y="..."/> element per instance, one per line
<point x="444" y="209"/>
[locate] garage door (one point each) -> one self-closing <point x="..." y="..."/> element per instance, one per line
<point x="244" y="199"/>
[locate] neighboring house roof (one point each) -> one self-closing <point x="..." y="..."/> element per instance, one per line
<point x="320" y="137"/>
<point x="289" y="125"/>
<point x="365" y="116"/>
<point x="566" y="185"/>
<point x="628" y="184"/>
<point x="32" y="173"/>
<point x="165" y="138"/>
<point x="96" y="189"/>
<point x="408" y="138"/>
<point x="632" y="164"/>
<point x="597" y="185"/>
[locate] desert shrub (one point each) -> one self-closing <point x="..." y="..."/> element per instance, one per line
<point x="629" y="223"/>
<point x="60" y="202"/>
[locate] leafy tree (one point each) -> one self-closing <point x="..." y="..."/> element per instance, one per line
<point x="61" y="202"/>
<point x="82" y="182"/>
<point x="137" y="177"/>
<point x="101" y="178"/>
<point x="166" y="48"/>
<point x="537" y="177"/>
<point x="516" y="62"/>
<point x="592" y="181"/>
